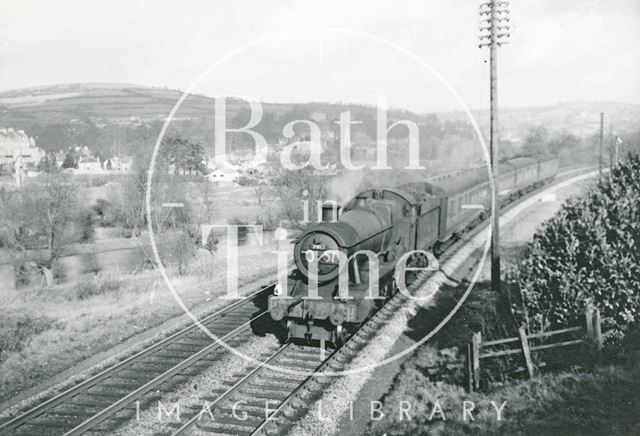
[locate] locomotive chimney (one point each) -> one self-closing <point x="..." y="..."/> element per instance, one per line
<point x="329" y="212"/>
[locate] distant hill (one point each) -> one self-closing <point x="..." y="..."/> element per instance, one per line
<point x="101" y="102"/>
<point x="59" y="114"/>
<point x="578" y="118"/>
<point x="121" y="103"/>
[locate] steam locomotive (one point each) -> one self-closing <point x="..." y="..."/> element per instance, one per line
<point x="329" y="293"/>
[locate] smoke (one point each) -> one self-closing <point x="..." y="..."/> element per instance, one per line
<point x="345" y="186"/>
<point x="348" y="184"/>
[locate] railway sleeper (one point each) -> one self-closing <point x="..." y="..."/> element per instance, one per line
<point x="88" y="402"/>
<point x="114" y="385"/>
<point x="195" y="369"/>
<point x="165" y="355"/>
<point x="284" y="382"/>
<point x="197" y="342"/>
<point x="55" y="422"/>
<point x="277" y="375"/>
<point x="272" y="394"/>
<point x="250" y="401"/>
<point x="107" y="395"/>
<point x="257" y="411"/>
<point x="138" y="379"/>
<point x="297" y="363"/>
<point x="266" y="385"/>
<point x="76" y="409"/>
<point x="229" y="423"/>
<point x="182" y="349"/>
<point x="150" y="367"/>
<point x="40" y="429"/>
<point x="309" y="356"/>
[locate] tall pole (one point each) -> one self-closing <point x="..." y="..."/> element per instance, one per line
<point x="496" y="25"/>
<point x="601" y="140"/>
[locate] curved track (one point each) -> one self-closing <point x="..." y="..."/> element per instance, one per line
<point x="111" y="397"/>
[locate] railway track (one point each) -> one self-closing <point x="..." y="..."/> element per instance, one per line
<point x="111" y="397"/>
<point x="267" y="402"/>
<point x="262" y="401"/>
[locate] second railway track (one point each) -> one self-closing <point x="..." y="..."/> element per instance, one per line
<point x="105" y="400"/>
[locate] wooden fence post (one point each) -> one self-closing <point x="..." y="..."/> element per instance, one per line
<point x="589" y="318"/>
<point x="526" y="351"/>
<point x="597" y="332"/>
<point x="477" y="340"/>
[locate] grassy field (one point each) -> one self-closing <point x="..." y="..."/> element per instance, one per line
<point x="47" y="331"/>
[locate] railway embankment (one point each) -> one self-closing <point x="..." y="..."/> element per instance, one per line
<point x="441" y="354"/>
<point x="574" y="390"/>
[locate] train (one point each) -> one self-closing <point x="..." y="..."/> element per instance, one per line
<point x="329" y="293"/>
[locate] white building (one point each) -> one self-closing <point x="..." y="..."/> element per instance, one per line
<point x="223" y="175"/>
<point x="89" y="165"/>
<point x="15" y="143"/>
<point x="120" y="164"/>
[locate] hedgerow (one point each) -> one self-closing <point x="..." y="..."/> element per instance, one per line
<point x="589" y="252"/>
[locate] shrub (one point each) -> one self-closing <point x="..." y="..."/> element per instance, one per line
<point x="17" y="330"/>
<point x="98" y="285"/>
<point x="88" y="232"/>
<point x="243" y="230"/>
<point x="588" y="252"/>
<point x="25" y="269"/>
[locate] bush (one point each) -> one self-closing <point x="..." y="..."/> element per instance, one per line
<point x="88" y="232"/>
<point x="25" y="269"/>
<point x="589" y="252"/>
<point x="98" y="285"/>
<point x="17" y="330"/>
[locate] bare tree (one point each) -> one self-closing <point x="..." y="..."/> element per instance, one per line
<point x="54" y="204"/>
<point x="294" y="187"/>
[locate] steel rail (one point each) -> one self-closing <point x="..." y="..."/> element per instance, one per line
<point x="105" y="374"/>
<point x="142" y="390"/>
<point x="232" y="389"/>
<point x="301" y="386"/>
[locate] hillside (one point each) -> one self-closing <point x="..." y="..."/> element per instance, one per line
<point x="122" y="103"/>
<point x="110" y="116"/>
<point x="579" y="118"/>
<point x="101" y="102"/>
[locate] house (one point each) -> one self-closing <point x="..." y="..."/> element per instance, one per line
<point x="16" y="144"/>
<point x="223" y="175"/>
<point x="89" y="165"/>
<point x="120" y="164"/>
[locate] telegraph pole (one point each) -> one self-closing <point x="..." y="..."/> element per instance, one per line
<point x="601" y="140"/>
<point x="494" y="31"/>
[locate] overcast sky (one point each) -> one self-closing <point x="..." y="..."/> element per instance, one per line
<point x="560" y="50"/>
